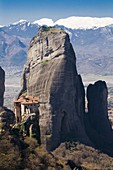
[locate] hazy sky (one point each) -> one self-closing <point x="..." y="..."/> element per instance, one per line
<point x="14" y="10"/>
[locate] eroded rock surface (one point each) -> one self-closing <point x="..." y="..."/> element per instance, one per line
<point x="98" y="125"/>
<point x="2" y="86"/>
<point x="7" y="118"/>
<point x="50" y="74"/>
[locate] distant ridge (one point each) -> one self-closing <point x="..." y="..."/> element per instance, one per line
<point x="73" y="22"/>
<point x="22" y="21"/>
<point x="93" y="46"/>
<point x="1" y="26"/>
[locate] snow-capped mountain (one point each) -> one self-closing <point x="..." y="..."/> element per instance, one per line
<point x="84" y="22"/>
<point x="44" y="21"/>
<point x="92" y="39"/>
<point x="21" y="28"/>
<point x="22" y="21"/>
<point x="1" y="26"/>
<point x="71" y="22"/>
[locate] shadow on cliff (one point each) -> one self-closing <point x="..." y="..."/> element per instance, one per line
<point x="97" y="123"/>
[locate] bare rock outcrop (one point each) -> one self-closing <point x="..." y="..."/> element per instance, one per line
<point x="98" y="125"/>
<point x="7" y="118"/>
<point x="50" y="74"/>
<point x="2" y="86"/>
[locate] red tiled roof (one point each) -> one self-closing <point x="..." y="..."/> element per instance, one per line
<point x="27" y="100"/>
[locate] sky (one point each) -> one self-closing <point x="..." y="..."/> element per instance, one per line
<point x="31" y="10"/>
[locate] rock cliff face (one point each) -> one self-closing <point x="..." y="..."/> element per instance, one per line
<point x="2" y="86"/>
<point x="99" y="129"/>
<point x="50" y="74"/>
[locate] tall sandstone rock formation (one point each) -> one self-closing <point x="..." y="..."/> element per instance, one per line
<point x="50" y="74"/>
<point x="6" y="115"/>
<point x="98" y="126"/>
<point x="2" y="86"/>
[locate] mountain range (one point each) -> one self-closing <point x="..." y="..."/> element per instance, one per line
<point x="92" y="40"/>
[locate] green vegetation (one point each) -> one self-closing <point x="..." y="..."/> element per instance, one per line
<point x="39" y="158"/>
<point x="16" y="154"/>
<point x="84" y="157"/>
<point x="26" y="154"/>
<point x="24" y="93"/>
<point x="44" y="28"/>
<point x="10" y="156"/>
<point x="45" y="62"/>
<point x="52" y="29"/>
<point x="48" y="136"/>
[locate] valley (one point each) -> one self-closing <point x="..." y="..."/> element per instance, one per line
<point x="13" y="84"/>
